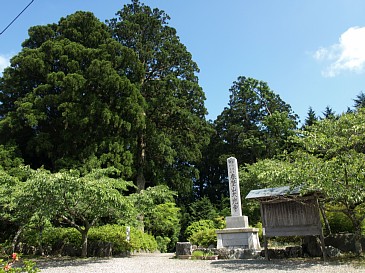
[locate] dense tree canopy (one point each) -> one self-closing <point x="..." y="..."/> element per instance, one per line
<point x="84" y="95"/>
<point x="175" y="129"/>
<point x="68" y="100"/>
<point x="256" y="124"/>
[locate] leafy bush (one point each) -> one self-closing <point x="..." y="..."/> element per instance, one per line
<point x="142" y="241"/>
<point x="199" y="226"/>
<point x="339" y="222"/>
<point x="164" y="221"/>
<point x="114" y="234"/>
<point x="53" y="240"/>
<point x="162" y="243"/>
<point x="202" y="232"/>
<point x="204" y="238"/>
<point x="59" y="237"/>
<point x="56" y="239"/>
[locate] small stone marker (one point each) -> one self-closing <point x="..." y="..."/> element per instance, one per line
<point x="234" y="187"/>
<point x="183" y="249"/>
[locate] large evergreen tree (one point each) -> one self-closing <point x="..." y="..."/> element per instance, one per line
<point x="256" y="124"/>
<point x="254" y="118"/>
<point x="68" y="98"/>
<point x="175" y="130"/>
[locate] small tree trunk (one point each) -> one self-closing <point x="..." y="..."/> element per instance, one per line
<point x="141" y="181"/>
<point x="357" y="237"/>
<point x="15" y="239"/>
<point x="84" y="243"/>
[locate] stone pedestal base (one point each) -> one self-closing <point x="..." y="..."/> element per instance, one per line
<point x="238" y="234"/>
<point x="245" y="238"/>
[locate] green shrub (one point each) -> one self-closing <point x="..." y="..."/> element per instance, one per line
<point x="204" y="238"/>
<point x="199" y="226"/>
<point x="52" y="239"/>
<point x="114" y="234"/>
<point x="162" y="243"/>
<point x="55" y="239"/>
<point x="65" y="236"/>
<point x="339" y="222"/>
<point x="141" y="241"/>
<point x="164" y="221"/>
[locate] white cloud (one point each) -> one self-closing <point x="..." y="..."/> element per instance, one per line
<point x="4" y="62"/>
<point x="347" y="55"/>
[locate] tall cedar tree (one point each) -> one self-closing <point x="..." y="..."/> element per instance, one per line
<point x="170" y="144"/>
<point x="256" y="124"/>
<point x="68" y="98"/>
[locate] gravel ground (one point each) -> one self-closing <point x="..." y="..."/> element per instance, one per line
<point x="165" y="263"/>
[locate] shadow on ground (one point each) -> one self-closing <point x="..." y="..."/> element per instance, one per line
<point x="284" y="265"/>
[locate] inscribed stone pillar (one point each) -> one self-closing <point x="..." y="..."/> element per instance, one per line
<point x="237" y="233"/>
<point x="234" y="187"/>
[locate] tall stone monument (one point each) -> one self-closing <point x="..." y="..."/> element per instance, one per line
<point x="237" y="233"/>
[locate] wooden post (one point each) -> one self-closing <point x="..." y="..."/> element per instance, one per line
<point x="264" y="231"/>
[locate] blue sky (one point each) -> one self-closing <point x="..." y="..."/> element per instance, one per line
<point x="311" y="53"/>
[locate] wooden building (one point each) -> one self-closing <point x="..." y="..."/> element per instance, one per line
<point x="285" y="213"/>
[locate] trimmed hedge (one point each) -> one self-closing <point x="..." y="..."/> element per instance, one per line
<point x="67" y="241"/>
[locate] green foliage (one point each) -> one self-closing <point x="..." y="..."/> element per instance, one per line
<point x="339" y="222"/>
<point x="310" y="119"/>
<point x="141" y="241"/>
<point x="265" y="173"/>
<point x="199" y="226"/>
<point x="11" y="265"/>
<point x="78" y="201"/>
<point x="58" y="238"/>
<point x="162" y="243"/>
<point x="202" y="209"/>
<point x="55" y="239"/>
<point x="157" y="209"/>
<point x="170" y="143"/>
<point x="164" y="221"/>
<point x="202" y="254"/>
<point x="359" y="101"/>
<point x="330" y="160"/>
<point x="257" y="124"/>
<point x="10" y="158"/>
<point x="204" y="238"/>
<point x="67" y="100"/>
<point x="116" y="235"/>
